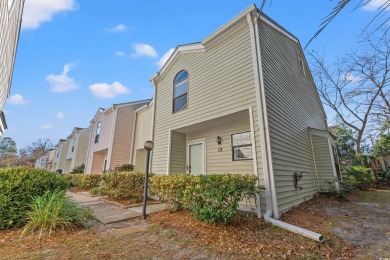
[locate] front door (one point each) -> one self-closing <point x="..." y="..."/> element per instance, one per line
<point x="196" y="159"/>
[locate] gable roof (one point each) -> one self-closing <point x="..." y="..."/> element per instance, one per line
<point x="201" y="46"/>
<point x="113" y="106"/>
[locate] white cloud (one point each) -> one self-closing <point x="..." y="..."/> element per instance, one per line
<point x="62" y="83"/>
<point x="165" y="57"/>
<point x="118" y="28"/>
<point x="17" y="99"/>
<point x="60" y="115"/>
<point x="350" y="77"/>
<point x="142" y="49"/>
<point x="373" y="5"/>
<point x="47" y="126"/>
<point x="120" y="54"/>
<point x="104" y="90"/>
<point x="36" y="12"/>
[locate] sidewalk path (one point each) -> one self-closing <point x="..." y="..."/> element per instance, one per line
<point x="108" y="213"/>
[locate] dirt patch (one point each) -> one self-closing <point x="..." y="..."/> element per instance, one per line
<point x="364" y="221"/>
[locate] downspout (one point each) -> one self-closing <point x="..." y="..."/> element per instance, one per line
<point x="154" y="99"/>
<point x="109" y="153"/>
<point x="314" y="159"/>
<point x="272" y="210"/>
<point x="88" y="148"/>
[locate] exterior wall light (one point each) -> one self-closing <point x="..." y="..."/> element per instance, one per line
<point x="148" y="147"/>
<point x="219" y="140"/>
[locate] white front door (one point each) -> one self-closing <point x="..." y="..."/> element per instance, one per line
<point x="196" y="159"/>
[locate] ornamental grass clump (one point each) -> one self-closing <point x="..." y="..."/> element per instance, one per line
<point x="55" y="210"/>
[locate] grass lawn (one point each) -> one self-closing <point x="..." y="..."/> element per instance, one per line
<point x="169" y="235"/>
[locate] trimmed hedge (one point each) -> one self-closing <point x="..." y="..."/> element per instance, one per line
<point x="84" y="181"/>
<point x="172" y="188"/>
<point x="214" y="198"/>
<point x="18" y="186"/>
<point x="124" y="185"/>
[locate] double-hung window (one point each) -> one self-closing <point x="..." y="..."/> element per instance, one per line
<point x="242" y="146"/>
<point x="180" y="91"/>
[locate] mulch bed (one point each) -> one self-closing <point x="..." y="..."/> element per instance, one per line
<point x="249" y="237"/>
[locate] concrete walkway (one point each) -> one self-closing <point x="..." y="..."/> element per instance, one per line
<point x="108" y="213"/>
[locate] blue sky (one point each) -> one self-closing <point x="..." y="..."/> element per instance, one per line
<point x="75" y="56"/>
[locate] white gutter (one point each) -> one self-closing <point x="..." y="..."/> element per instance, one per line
<point x="272" y="206"/>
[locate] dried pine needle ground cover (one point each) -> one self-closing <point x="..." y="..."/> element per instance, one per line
<point x="253" y="238"/>
<point x="177" y="236"/>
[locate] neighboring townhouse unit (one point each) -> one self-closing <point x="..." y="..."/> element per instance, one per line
<point x="60" y="154"/>
<point x="142" y="133"/>
<point x="243" y="101"/>
<point x="46" y="162"/>
<point x="110" y="144"/>
<point x="10" y="22"/>
<point x="77" y="148"/>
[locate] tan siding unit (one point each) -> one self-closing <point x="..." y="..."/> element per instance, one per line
<point x="292" y="107"/>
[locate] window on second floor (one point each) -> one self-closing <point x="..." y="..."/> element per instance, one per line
<point x="99" y="125"/>
<point x="180" y="91"/>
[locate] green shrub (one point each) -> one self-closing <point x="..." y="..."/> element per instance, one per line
<point x="362" y="176"/>
<point x="96" y="191"/>
<point x="171" y="188"/>
<point x="55" y="210"/>
<point x="78" y="169"/>
<point x="212" y="198"/>
<point x="124" y="168"/>
<point x="84" y="181"/>
<point x="124" y="185"/>
<point x="17" y="188"/>
<point x="215" y="198"/>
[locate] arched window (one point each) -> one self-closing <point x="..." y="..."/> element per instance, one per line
<point x="97" y="132"/>
<point x="180" y="91"/>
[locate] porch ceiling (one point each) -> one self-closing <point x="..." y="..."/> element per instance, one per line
<point x="223" y="120"/>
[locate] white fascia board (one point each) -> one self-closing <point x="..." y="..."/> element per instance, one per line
<point x="229" y="24"/>
<point x="100" y="110"/>
<point x="277" y="27"/>
<point x="194" y="47"/>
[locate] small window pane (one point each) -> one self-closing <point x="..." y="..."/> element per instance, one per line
<point x="180" y="88"/>
<point x="242" y="139"/>
<point x="180" y="103"/>
<point x="182" y="75"/>
<point x="242" y="153"/>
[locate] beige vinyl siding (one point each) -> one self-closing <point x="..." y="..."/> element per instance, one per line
<point x="82" y="147"/>
<point x="62" y="157"/>
<point x="10" y="21"/>
<point x="292" y="106"/>
<point x="221" y="82"/>
<point x="178" y="153"/>
<point x="140" y="160"/>
<point x="67" y="168"/>
<point x="104" y="138"/>
<point x="222" y="162"/>
<point x="323" y="159"/>
<point x="123" y="135"/>
<point x="143" y="128"/>
<point x="98" y="162"/>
